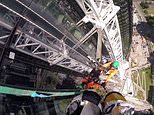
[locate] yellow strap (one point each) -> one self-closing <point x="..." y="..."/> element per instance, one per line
<point x="107" y="65"/>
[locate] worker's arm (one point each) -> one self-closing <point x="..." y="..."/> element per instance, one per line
<point x="91" y="104"/>
<point x="90" y="109"/>
<point x="106" y="65"/>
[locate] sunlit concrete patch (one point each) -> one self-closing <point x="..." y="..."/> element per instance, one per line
<point x="138" y="104"/>
<point x="128" y="87"/>
<point x="122" y="69"/>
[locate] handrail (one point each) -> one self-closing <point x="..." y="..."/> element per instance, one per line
<point x="10" y="90"/>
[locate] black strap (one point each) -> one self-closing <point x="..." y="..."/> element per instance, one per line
<point x="91" y="96"/>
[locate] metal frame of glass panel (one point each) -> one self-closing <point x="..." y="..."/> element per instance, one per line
<point x="45" y="46"/>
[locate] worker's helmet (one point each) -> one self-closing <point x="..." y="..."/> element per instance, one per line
<point x="115" y="64"/>
<point x="116" y="104"/>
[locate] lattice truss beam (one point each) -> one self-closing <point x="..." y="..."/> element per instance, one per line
<point x="102" y="14"/>
<point x="46" y="47"/>
<point x="43" y="46"/>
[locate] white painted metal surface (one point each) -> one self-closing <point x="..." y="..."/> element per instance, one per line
<point x="45" y="46"/>
<point x="102" y="14"/>
<point x="54" y="52"/>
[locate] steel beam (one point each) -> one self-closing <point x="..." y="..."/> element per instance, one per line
<point x="102" y="14"/>
<point x="3" y="37"/>
<point x="99" y="45"/>
<point x="41" y="47"/>
<point x="85" y="38"/>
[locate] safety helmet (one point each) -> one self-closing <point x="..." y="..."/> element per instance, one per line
<point x="116" y="104"/>
<point x="115" y="64"/>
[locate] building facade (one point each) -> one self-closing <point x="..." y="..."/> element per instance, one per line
<point x="125" y="18"/>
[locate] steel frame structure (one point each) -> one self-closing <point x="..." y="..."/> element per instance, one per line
<point x="44" y="45"/>
<point x="102" y="14"/>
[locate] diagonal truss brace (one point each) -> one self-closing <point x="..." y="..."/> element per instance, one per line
<point x="102" y="14"/>
<point x="42" y="47"/>
<point x="45" y="45"/>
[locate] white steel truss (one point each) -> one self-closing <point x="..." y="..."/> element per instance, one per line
<point x="45" y="46"/>
<point x="102" y="14"/>
<point x="49" y="49"/>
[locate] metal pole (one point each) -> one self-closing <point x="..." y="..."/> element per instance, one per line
<point x="9" y="41"/>
<point x="99" y="46"/>
<point x="11" y="37"/>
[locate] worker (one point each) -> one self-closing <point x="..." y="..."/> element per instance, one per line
<point x="93" y="85"/>
<point x="86" y="79"/>
<point x="109" y="65"/>
<point x="111" y="69"/>
<point x="111" y="73"/>
<point x="90" y="83"/>
<point x="96" y="78"/>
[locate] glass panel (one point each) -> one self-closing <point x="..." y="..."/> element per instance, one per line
<point x="13" y="5"/>
<point x="13" y="105"/>
<point x="7" y="16"/>
<point x="54" y="9"/>
<point x="89" y="46"/>
<point x="61" y="105"/>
